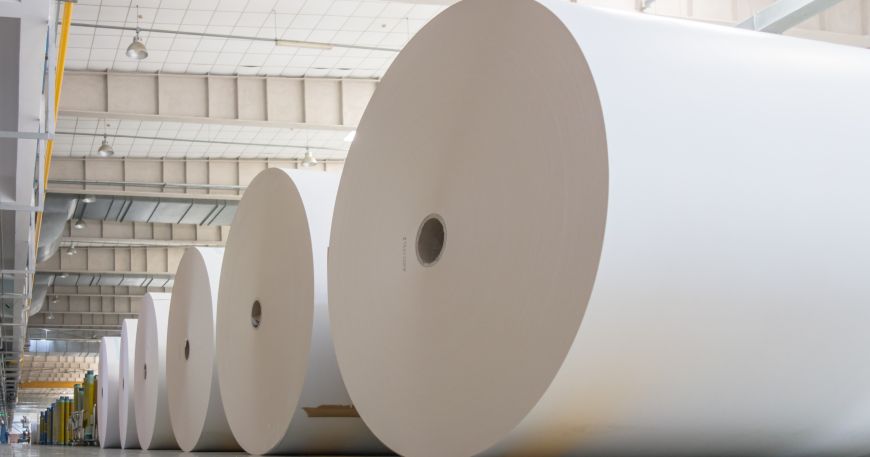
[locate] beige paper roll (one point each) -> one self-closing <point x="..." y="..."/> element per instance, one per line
<point x="107" y="400"/>
<point x="198" y="419"/>
<point x="126" y="410"/>
<point x="152" y="407"/>
<point x="279" y="381"/>
<point x="566" y="231"/>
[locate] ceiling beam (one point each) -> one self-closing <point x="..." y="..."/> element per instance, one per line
<point x="785" y="14"/>
<point x="320" y="103"/>
<point x="48" y="385"/>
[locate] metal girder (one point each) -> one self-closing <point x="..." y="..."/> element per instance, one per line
<point x="192" y="178"/>
<point x="48" y="385"/>
<point x="323" y="103"/>
<point x="129" y="261"/>
<point x="785" y="14"/>
<point x="83" y="307"/>
<point x="103" y="233"/>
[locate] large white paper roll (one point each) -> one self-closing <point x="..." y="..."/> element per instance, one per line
<point x="279" y="380"/>
<point x="152" y="407"/>
<point x="126" y="410"/>
<point x="568" y="231"/>
<point x="107" y="399"/>
<point x="198" y="418"/>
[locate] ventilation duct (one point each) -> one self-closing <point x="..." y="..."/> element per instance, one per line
<point x="57" y="210"/>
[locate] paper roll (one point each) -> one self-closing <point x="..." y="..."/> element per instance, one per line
<point x="126" y="410"/>
<point x="278" y="376"/>
<point x="149" y="371"/>
<point x="198" y="418"/>
<point x="107" y="401"/>
<point x="723" y="303"/>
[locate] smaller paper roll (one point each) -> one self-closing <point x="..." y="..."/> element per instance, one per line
<point x="152" y="406"/>
<point x="280" y="382"/>
<point x="126" y="411"/>
<point x="195" y="406"/>
<point x="107" y="400"/>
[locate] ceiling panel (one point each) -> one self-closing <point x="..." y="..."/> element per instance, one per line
<point x="377" y="24"/>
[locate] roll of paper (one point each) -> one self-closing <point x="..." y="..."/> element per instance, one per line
<point x="279" y="381"/>
<point x="126" y="410"/>
<point x="198" y="419"/>
<point x="152" y="407"/>
<point x="582" y="232"/>
<point x="107" y="400"/>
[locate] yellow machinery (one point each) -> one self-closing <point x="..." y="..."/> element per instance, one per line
<point x="72" y="420"/>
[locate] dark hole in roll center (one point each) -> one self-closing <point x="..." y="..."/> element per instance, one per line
<point x="430" y="240"/>
<point x="256" y="313"/>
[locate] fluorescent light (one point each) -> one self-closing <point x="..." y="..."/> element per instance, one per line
<point x="302" y="44"/>
<point x="350" y="136"/>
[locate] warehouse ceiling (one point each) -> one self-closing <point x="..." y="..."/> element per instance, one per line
<point x="186" y="146"/>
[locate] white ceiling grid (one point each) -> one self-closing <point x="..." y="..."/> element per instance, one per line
<point x="366" y="23"/>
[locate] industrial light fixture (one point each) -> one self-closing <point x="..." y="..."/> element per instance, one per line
<point x="302" y="44"/>
<point x="309" y="160"/>
<point x="89" y="198"/>
<point x="54" y="300"/>
<point x="72" y="250"/>
<point x="80" y="224"/>
<point x="105" y="149"/>
<point x="63" y="275"/>
<point x="295" y="43"/>
<point x="50" y="316"/>
<point x="350" y="137"/>
<point x="137" y="49"/>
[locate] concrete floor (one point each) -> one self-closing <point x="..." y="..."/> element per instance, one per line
<point x="21" y="450"/>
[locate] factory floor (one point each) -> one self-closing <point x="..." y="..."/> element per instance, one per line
<point x="22" y="450"/>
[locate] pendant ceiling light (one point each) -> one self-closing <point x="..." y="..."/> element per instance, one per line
<point x="137" y="49"/>
<point x="105" y="149"/>
<point x="309" y="160"/>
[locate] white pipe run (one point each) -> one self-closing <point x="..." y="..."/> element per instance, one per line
<point x="656" y="240"/>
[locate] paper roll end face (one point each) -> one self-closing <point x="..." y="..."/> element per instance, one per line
<point x="517" y="251"/>
<point x="190" y="360"/>
<point x="268" y="260"/>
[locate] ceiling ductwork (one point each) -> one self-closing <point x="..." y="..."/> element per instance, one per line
<point x="57" y="210"/>
<point x="163" y="210"/>
<point x="41" y="283"/>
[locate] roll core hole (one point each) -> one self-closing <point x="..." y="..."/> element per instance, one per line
<point x="186" y="349"/>
<point x="256" y="313"/>
<point x="145" y="371"/>
<point x="430" y="240"/>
